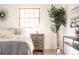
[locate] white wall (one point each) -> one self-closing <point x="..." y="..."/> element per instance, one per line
<point x="68" y="30"/>
<point x="13" y="21"/>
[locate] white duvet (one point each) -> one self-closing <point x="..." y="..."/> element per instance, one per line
<point x="21" y="38"/>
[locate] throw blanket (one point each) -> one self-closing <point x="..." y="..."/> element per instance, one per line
<point x="14" y="48"/>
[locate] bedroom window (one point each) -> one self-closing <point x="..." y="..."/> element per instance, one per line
<point x="29" y="19"/>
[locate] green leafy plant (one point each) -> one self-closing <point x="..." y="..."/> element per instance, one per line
<point x="58" y="18"/>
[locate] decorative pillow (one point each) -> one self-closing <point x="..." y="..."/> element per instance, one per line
<point x="17" y="31"/>
<point x="6" y="31"/>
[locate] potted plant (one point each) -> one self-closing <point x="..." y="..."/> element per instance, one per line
<point x="58" y="18"/>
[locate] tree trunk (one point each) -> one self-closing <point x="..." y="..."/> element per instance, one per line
<point x="58" y="43"/>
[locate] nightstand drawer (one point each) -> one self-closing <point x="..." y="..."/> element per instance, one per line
<point x="38" y="47"/>
<point x="38" y="42"/>
<point x="37" y="37"/>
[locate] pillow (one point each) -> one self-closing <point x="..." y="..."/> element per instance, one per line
<point x="17" y="31"/>
<point x="6" y="31"/>
<point x="14" y="36"/>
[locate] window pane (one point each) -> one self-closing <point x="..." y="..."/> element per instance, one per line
<point x="22" y="24"/>
<point x="36" y="10"/>
<point x="21" y="19"/>
<point x="32" y="20"/>
<point x="32" y="11"/>
<point x="26" y="11"/>
<point x="31" y="15"/>
<point x="32" y="25"/>
<point x="26" y="24"/>
<point x="26" y="15"/>
<point x="36" y="20"/>
<point x="36" y="15"/>
<point x="26" y="20"/>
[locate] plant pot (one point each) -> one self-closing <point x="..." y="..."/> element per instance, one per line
<point x="58" y="50"/>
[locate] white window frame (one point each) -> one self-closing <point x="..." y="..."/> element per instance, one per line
<point x="30" y="17"/>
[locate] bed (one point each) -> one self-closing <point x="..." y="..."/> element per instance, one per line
<point x="16" y="45"/>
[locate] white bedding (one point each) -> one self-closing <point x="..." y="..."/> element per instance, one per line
<point x="21" y="38"/>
